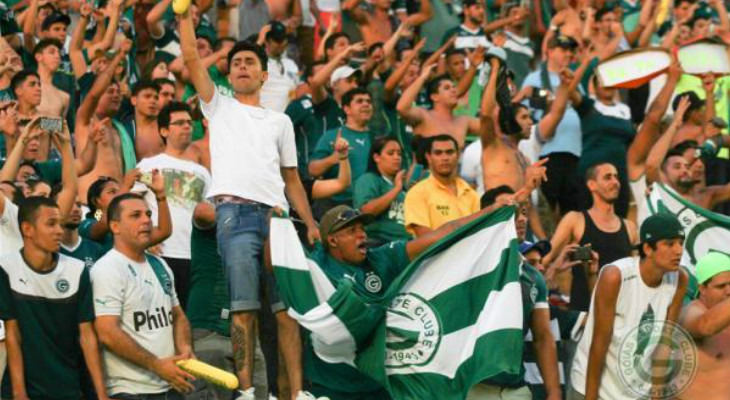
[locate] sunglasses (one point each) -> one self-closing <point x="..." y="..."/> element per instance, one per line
<point x="344" y="217"/>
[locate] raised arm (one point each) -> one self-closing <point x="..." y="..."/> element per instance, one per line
<point x="424" y="14"/>
<point x="391" y="85"/>
<point x="500" y="23"/>
<point x="319" y="93"/>
<point x="411" y="114"/>
<point x="116" y="7"/>
<point x="69" y="180"/>
<point x="708" y="84"/>
<point x="649" y="131"/>
<point x="488" y="134"/>
<point x="645" y="19"/>
<point x="154" y="19"/>
<point x="353" y="8"/>
<point x="75" y="51"/>
<point x="198" y="73"/>
<point x="719" y="6"/>
<point x="324" y="188"/>
<point x="569" y="81"/>
<point x="29" y="26"/>
<point x="476" y="58"/>
<point x="661" y="147"/>
<point x="163" y="230"/>
<point x="319" y="54"/>
<point x="102" y="81"/>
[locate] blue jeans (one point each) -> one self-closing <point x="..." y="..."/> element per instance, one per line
<point x="241" y="232"/>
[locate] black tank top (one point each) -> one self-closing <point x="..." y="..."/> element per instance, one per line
<point x="610" y="246"/>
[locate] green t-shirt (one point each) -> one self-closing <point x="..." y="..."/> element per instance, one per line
<point x="307" y="130"/>
<point x="534" y="296"/>
<point x="86" y="250"/>
<point x="605" y="138"/>
<point x="330" y="113"/>
<point x="208" y="300"/>
<point x="471" y="108"/>
<point x="390" y="224"/>
<point x="85" y="230"/>
<point x="359" y="152"/>
<point x="48" y="309"/>
<point x="370" y="280"/>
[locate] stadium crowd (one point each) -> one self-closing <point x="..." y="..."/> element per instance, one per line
<point x="145" y="149"/>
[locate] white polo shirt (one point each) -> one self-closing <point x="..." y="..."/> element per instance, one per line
<point x="132" y="291"/>
<point x="248" y="146"/>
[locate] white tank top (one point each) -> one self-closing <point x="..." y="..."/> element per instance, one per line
<point x="636" y="302"/>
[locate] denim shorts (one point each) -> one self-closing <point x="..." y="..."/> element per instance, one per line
<point x="241" y="232"/>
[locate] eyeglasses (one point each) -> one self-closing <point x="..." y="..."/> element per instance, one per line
<point x="182" y="122"/>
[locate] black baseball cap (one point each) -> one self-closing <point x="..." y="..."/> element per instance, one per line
<point x="563" y="41"/>
<point x="468" y="3"/>
<point x="340" y="217"/>
<point x="661" y="226"/>
<point x="55" y="18"/>
<point x="277" y="32"/>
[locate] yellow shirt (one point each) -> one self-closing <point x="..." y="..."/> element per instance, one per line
<point x="431" y="204"/>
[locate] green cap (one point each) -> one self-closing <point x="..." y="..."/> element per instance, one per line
<point x="660" y="226"/>
<point x="710" y="265"/>
<point x="338" y="218"/>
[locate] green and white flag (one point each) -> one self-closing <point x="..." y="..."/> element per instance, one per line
<point x="451" y="319"/>
<point x="704" y="230"/>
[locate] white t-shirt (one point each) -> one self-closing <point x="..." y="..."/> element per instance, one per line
<point x="248" y="146"/>
<point x="10" y="238"/>
<point x="132" y="291"/>
<point x="282" y="81"/>
<point x="186" y="185"/>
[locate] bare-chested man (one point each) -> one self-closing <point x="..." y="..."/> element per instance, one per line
<point x="440" y="119"/>
<point x="375" y="26"/>
<point x="502" y="162"/>
<point x="707" y="319"/>
<point x="115" y="153"/>
<point x="26" y="86"/>
<point x="672" y="168"/>
<point x="147" y="140"/>
<point x="54" y="102"/>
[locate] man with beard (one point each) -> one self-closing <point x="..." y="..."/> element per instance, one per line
<point x="114" y="154"/>
<point x="671" y="167"/>
<point x="707" y="319"/>
<point x="598" y="228"/>
<point x="634" y="299"/>
<point x="143" y="124"/>
<point x="470" y="34"/>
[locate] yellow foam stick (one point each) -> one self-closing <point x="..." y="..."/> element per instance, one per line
<point x="209" y="373"/>
<point x="180" y="6"/>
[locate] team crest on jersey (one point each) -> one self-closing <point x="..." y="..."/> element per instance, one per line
<point x="373" y="284"/>
<point x="62" y="285"/>
<point x="413" y="332"/>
